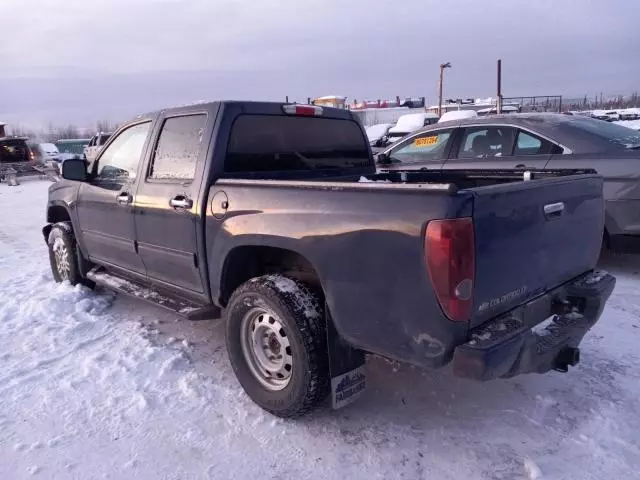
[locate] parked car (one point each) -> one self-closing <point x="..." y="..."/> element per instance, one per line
<point x="377" y="134"/>
<point x="457" y="115"/>
<point x="71" y="148"/>
<point x="607" y="116"/>
<point x="44" y="153"/>
<point x="16" y="158"/>
<point x="95" y="145"/>
<point x="409" y="123"/>
<point x="274" y="213"/>
<point x="538" y="141"/>
<point x="630" y="114"/>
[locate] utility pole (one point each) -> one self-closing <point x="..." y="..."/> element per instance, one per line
<point x="499" y="93"/>
<point x="442" y="67"/>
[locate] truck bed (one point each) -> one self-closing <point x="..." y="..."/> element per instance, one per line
<point x="366" y="241"/>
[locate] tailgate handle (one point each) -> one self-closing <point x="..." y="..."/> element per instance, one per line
<point x="554" y="209"/>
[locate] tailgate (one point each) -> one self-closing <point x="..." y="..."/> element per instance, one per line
<point x="533" y="236"/>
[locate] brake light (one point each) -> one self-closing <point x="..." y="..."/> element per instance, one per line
<point x="450" y="255"/>
<point x="308" y="110"/>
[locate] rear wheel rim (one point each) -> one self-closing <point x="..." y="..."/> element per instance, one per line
<point x="266" y="349"/>
<point x="61" y="254"/>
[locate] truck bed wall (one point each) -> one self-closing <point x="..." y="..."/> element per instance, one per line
<point x="355" y="241"/>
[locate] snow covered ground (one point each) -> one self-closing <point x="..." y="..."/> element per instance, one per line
<point x="94" y="386"/>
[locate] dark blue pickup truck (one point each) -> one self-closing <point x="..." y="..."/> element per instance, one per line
<point x="272" y="217"/>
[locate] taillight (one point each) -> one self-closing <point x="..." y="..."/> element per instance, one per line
<point x="450" y="255"/>
<point x="309" y="110"/>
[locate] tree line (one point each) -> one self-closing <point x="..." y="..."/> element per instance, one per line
<point x="54" y="132"/>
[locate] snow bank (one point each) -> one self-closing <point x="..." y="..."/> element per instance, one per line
<point x="633" y="124"/>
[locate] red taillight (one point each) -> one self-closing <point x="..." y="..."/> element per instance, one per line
<point x="309" y="110"/>
<point x="450" y="255"/>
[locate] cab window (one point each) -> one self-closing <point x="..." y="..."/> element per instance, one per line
<point x="529" y="144"/>
<point x="486" y="141"/>
<point x="119" y="161"/>
<point x="428" y="146"/>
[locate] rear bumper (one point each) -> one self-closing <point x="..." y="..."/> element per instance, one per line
<point x="542" y="335"/>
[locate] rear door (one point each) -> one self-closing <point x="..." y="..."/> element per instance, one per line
<point x="533" y="236"/>
<point x="167" y="208"/>
<point x="105" y="202"/>
<point x="532" y="151"/>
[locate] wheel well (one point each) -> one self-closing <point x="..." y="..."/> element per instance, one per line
<point x="244" y="263"/>
<point x="57" y="214"/>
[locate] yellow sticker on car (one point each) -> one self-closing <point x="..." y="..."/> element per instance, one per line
<point x="425" y="141"/>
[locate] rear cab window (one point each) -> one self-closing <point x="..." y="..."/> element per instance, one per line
<point x="261" y="143"/>
<point x="427" y="146"/>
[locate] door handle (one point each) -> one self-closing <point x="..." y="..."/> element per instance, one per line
<point x="181" y="202"/>
<point x="521" y="165"/>
<point x="124" y="198"/>
<point x="553" y="209"/>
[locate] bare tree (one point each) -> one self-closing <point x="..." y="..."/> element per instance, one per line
<point x="104" y="126"/>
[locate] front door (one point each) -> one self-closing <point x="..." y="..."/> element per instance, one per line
<point x="166" y="206"/>
<point x="424" y="151"/>
<point x="105" y="202"/>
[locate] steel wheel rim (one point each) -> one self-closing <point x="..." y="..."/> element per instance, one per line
<point x="266" y="349"/>
<point x="61" y="255"/>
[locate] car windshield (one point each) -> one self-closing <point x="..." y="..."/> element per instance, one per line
<point x="619" y="135"/>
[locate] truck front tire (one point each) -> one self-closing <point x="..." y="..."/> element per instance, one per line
<point x="63" y="255"/>
<point x="276" y="342"/>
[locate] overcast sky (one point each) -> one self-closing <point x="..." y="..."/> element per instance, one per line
<point x="77" y="61"/>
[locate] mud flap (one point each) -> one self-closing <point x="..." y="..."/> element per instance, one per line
<point x="346" y="367"/>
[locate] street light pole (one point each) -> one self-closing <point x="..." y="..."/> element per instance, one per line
<point x="442" y="67"/>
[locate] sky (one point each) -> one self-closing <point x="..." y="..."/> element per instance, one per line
<point x="79" y="61"/>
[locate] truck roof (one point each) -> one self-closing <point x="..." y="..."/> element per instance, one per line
<point x="269" y="108"/>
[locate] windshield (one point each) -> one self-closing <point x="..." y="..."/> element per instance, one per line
<point x="616" y="134"/>
<point x="271" y="143"/>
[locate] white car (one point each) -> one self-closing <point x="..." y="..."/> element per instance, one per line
<point x="95" y="145"/>
<point x="457" y="115"/>
<point x="410" y="123"/>
<point x="376" y="133"/>
<point x="45" y="153"/>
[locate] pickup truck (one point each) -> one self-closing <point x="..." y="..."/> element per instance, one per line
<point x="95" y="144"/>
<point x="271" y="217"/>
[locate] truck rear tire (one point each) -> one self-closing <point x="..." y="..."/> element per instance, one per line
<point x="63" y="256"/>
<point x="276" y="342"/>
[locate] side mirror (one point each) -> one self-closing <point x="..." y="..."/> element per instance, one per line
<point x="74" y="169"/>
<point x="383" y="159"/>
